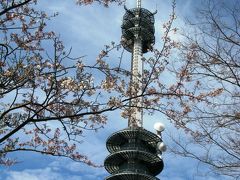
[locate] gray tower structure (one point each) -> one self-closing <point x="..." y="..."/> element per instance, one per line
<point x="135" y="153"/>
<point x="138" y="38"/>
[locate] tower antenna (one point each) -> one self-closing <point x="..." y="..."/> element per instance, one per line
<point x="139" y="2"/>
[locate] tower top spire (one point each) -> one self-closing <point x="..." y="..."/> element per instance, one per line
<point x="139" y="3"/>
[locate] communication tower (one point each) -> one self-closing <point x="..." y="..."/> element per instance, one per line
<point x="135" y="153"/>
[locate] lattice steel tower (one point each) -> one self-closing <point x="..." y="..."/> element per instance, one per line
<point x="134" y="151"/>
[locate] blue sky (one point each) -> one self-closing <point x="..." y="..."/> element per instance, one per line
<point x="87" y="29"/>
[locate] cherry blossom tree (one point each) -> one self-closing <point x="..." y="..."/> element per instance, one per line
<point x="47" y="105"/>
<point x="103" y="2"/>
<point x="36" y="88"/>
<point x="210" y="72"/>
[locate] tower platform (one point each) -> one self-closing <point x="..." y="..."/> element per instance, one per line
<point x="134" y="155"/>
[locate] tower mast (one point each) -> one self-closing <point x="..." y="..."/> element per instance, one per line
<point x="136" y="117"/>
<point x="139" y="3"/>
<point x="134" y="151"/>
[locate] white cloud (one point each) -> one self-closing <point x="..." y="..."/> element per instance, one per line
<point x="51" y="173"/>
<point x="35" y="174"/>
<point x="84" y="171"/>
